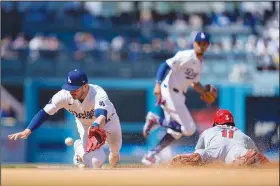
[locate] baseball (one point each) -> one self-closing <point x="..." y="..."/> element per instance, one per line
<point x="68" y="141"/>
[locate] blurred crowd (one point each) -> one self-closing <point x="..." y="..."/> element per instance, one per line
<point x="179" y="22"/>
<point x="182" y="14"/>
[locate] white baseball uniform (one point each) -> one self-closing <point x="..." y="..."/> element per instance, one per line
<point x="185" y="69"/>
<point x="224" y="143"/>
<point x="84" y="115"/>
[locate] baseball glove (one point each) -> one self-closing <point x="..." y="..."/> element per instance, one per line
<point x="210" y="94"/>
<point x="96" y="138"/>
<point x="186" y="159"/>
<point x="250" y="158"/>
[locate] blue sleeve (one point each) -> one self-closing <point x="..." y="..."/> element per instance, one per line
<point x="38" y="120"/>
<point x="99" y="112"/>
<point x="161" y="72"/>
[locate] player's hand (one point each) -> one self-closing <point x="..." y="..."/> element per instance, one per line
<point x="185" y="159"/>
<point x="22" y="135"/>
<point x="88" y="131"/>
<point x="157" y="93"/>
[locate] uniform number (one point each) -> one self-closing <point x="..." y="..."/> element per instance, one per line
<point x="101" y="103"/>
<point x="227" y="134"/>
<point x="227" y="117"/>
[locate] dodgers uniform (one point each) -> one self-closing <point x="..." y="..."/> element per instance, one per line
<point x="86" y="102"/>
<point x="84" y="115"/>
<point x="224" y="143"/>
<point x="185" y="69"/>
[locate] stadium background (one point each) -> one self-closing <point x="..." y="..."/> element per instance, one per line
<point x="120" y="45"/>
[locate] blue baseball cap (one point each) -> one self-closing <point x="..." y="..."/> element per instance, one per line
<point x="76" y="78"/>
<point x="202" y="36"/>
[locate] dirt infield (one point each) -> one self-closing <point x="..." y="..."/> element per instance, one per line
<point x="137" y="175"/>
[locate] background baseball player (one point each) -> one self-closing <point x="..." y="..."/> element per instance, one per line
<point x="223" y="142"/>
<point x="184" y="71"/>
<point x="95" y="116"/>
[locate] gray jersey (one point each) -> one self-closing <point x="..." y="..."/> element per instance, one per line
<point x="224" y="143"/>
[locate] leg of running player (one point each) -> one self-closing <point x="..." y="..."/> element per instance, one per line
<point x="150" y="157"/>
<point x="178" y="121"/>
<point x="174" y="132"/>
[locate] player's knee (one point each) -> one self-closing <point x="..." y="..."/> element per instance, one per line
<point x="94" y="161"/>
<point x="176" y="135"/>
<point x="188" y="131"/>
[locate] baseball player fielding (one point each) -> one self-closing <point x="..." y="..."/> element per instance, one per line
<point x="95" y="115"/>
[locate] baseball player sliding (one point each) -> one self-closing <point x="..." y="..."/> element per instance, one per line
<point x="222" y="142"/>
<point x="96" y="119"/>
<point x="183" y="70"/>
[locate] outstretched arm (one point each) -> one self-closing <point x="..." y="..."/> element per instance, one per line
<point x="51" y="108"/>
<point x="37" y="120"/>
<point x="190" y="159"/>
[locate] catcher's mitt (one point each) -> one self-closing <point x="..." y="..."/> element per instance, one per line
<point x="96" y="138"/>
<point x="210" y="94"/>
<point x="186" y="159"/>
<point x="250" y="158"/>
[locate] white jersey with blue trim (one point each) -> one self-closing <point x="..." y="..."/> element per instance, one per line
<point x="185" y="69"/>
<point x="84" y="112"/>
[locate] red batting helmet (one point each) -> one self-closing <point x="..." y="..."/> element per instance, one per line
<point x="223" y="117"/>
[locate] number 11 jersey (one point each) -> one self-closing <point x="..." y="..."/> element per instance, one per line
<point x="223" y="142"/>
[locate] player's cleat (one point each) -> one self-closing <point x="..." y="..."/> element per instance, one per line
<point x="152" y="120"/>
<point x="78" y="161"/>
<point x="113" y="160"/>
<point x="150" y="158"/>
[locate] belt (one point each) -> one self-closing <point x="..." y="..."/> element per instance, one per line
<point x="176" y="90"/>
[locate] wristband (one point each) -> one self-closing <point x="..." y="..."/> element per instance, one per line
<point x="95" y="124"/>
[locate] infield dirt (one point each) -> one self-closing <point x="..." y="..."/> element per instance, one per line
<point x="136" y="175"/>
